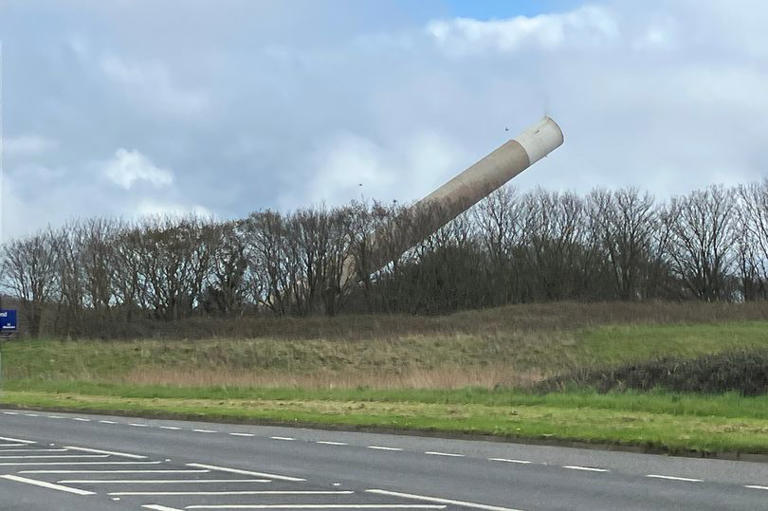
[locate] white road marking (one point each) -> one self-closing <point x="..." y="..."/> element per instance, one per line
<point x="32" y="415"/>
<point x="224" y="493"/>
<point x="55" y="417"/>
<point x="756" y="487"/>
<point x="384" y="448"/>
<point x="674" y="478"/>
<point x="586" y="469"/>
<point x="246" y="472"/>
<point x="40" y="463"/>
<point x="204" y="431"/>
<point x="81" y="419"/>
<point x="11" y="413"/>
<point x="438" y="453"/>
<point x="53" y="456"/>
<point x="505" y="460"/>
<point x="12" y="445"/>
<point x="16" y="440"/>
<point x="108" y="453"/>
<point x="32" y="450"/>
<point x="328" y="442"/>
<point x="441" y="500"/>
<point x="282" y="438"/>
<point x="50" y="486"/>
<point x="162" y="481"/>
<point x="139" y="425"/>
<point x="317" y="506"/>
<point x="114" y="471"/>
<point x="172" y="428"/>
<point x="158" y="507"/>
<point x="107" y="422"/>
<point x="242" y="434"/>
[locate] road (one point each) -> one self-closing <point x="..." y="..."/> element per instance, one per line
<point x="58" y="461"/>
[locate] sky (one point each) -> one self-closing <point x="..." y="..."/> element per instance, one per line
<point x="139" y="107"/>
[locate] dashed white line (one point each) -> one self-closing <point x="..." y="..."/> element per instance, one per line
<point x="52" y="463"/>
<point x="52" y="456"/>
<point x="224" y="493"/>
<point x="170" y="428"/>
<point x="158" y="507"/>
<point x="109" y="453"/>
<point x="287" y="438"/>
<point x="242" y="434"/>
<point x="55" y="417"/>
<point x="162" y="481"/>
<point x="32" y="415"/>
<point x="12" y="445"/>
<point x="81" y="419"/>
<point x="438" y="453"/>
<point x="506" y="460"/>
<point x="44" y="484"/>
<point x="328" y="442"/>
<point x="384" y="448"/>
<point x="114" y="471"/>
<point x="204" y="431"/>
<point x="32" y="450"/>
<point x="756" y="487"/>
<point x="16" y="440"/>
<point x="139" y="425"/>
<point x="439" y="500"/>
<point x="107" y="422"/>
<point x="246" y="472"/>
<point x="674" y="478"/>
<point x="586" y="469"/>
<point x="11" y="413"/>
<point x="316" y="506"/>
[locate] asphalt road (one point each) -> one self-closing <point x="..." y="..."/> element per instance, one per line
<point x="57" y="461"/>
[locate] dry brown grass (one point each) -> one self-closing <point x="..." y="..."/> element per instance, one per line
<point x="442" y="378"/>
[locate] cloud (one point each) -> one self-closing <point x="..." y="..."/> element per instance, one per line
<point x="129" y="167"/>
<point x="150" y="84"/>
<point x="590" y="25"/>
<point x="27" y="145"/>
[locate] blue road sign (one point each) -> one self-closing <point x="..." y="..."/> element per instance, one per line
<point x="7" y="320"/>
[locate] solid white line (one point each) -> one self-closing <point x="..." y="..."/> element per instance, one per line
<point x="441" y="500"/>
<point x="438" y="453"/>
<point x="756" y="487"/>
<point x="113" y="471"/>
<point x="172" y="428"/>
<point x="586" y="469"/>
<point x="222" y="493"/>
<point x="204" y="431"/>
<point x="328" y="442"/>
<point x="245" y="472"/>
<point x="50" y="486"/>
<point x="13" y="445"/>
<point x="46" y="463"/>
<point x="109" y="453"/>
<point x="16" y="440"/>
<point x="674" y="478"/>
<point x="107" y="422"/>
<point x="317" y="506"/>
<point x="139" y="425"/>
<point x="242" y="434"/>
<point x="81" y="419"/>
<point x="158" y="507"/>
<point x="384" y="448"/>
<point x="505" y="460"/>
<point x="49" y="456"/>
<point x="282" y="438"/>
<point x="162" y="481"/>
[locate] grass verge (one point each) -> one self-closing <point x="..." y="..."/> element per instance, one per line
<point x="657" y="421"/>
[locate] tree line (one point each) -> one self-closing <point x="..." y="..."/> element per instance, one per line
<point x="513" y="247"/>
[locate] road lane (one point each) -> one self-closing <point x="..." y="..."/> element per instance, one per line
<point x="490" y="474"/>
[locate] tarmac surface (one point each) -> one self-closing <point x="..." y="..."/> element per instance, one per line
<point x="60" y="461"/>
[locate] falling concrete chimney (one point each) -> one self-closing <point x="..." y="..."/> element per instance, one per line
<point x="471" y="186"/>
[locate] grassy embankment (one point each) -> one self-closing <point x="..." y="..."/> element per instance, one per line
<point x="464" y="373"/>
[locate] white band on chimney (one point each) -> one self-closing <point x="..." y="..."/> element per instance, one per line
<point x="541" y="139"/>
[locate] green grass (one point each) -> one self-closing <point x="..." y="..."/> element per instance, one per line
<point x="255" y="380"/>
